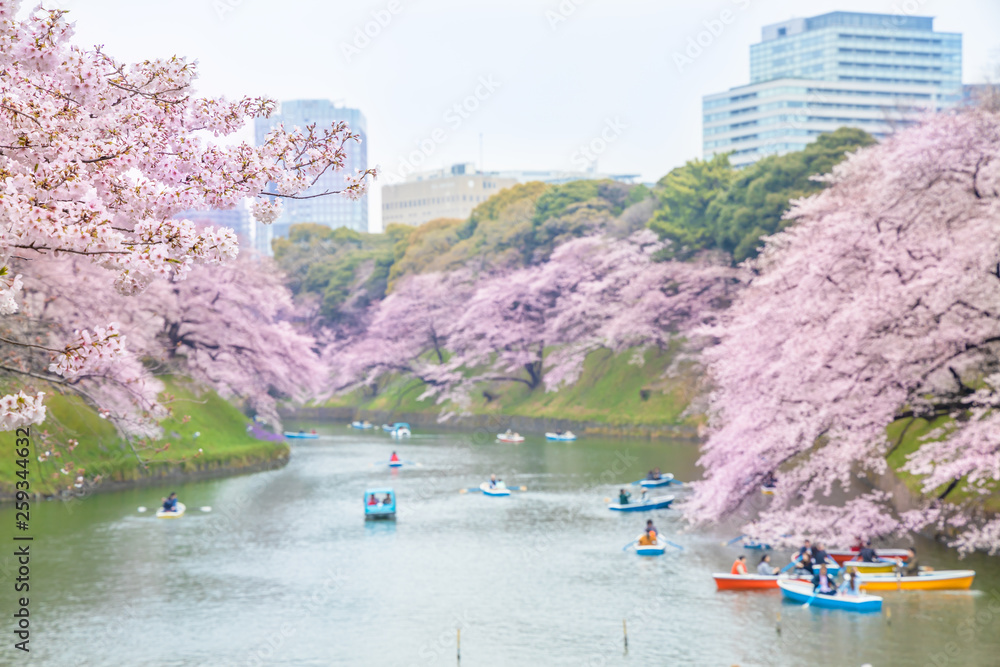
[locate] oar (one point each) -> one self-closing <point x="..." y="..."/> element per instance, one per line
<point x="627" y="546"/>
<point x="787" y="567"/>
<point x="471" y="489"/>
<point x="734" y="540"/>
<point x="206" y="508"/>
<point x="815" y="593"/>
<point x="673" y="544"/>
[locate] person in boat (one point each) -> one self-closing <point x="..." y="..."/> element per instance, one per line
<point x="650" y="475"/>
<point x="494" y="482"/>
<point x="852" y="582"/>
<point x="804" y="565"/>
<point x="372" y="500"/>
<point x="623" y="497"/>
<point x="302" y="431"/>
<point x="820" y="556"/>
<point x="911" y="567"/>
<point x="769" y="481"/>
<point x="805" y="548"/>
<point x="764" y="566"/>
<point x="650" y="528"/>
<point x="313" y="431"/>
<point x="170" y="503"/>
<point x="823" y="582"/>
<point x="647" y="539"/>
<point x="867" y="553"/>
<point x="387" y="500"/>
<point x="739" y="565"/>
<point x="394" y="458"/>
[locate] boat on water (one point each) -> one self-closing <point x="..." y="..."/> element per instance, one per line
<point x="843" y="555"/>
<point x="802" y="591"/>
<point x="657" y="503"/>
<point x="163" y="514"/>
<point x="755" y="545"/>
<point x="871" y="568"/>
<point x="767" y="490"/>
<point x="510" y="436"/>
<point x="655" y="549"/>
<point x="751" y="582"/>
<point x="662" y="480"/>
<point x="499" y="490"/>
<point x="312" y="435"/>
<point x="938" y="580"/>
<point x="363" y="426"/>
<point x="401" y="432"/>
<point x="560" y="435"/>
<point x="380" y="504"/>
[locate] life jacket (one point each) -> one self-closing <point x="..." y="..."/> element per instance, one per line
<point x="739" y="567"/>
<point x="645" y="540"/>
<point x="393" y="458"/>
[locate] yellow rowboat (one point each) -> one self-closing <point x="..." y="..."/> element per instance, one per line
<point x="942" y="580"/>
<point x="870" y="568"/>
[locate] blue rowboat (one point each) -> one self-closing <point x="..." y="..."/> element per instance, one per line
<point x="650" y="549"/>
<point x="758" y="546"/>
<point x="301" y="434"/>
<point x="567" y="435"/>
<point x="658" y="503"/>
<point x="802" y="592"/>
<point x="665" y="480"/>
<point x="380" y="503"/>
<point x="363" y="426"/>
<point x="499" y="490"/>
<point x="395" y="464"/>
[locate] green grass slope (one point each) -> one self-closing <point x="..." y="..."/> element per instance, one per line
<point x="611" y="390"/>
<point x="222" y="439"/>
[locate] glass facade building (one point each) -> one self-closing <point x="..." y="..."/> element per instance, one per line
<point x="333" y="210"/>
<point x="877" y="72"/>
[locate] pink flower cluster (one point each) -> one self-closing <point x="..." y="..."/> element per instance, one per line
<point x="20" y="410"/>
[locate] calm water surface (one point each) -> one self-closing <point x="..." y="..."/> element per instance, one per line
<point x="284" y="571"/>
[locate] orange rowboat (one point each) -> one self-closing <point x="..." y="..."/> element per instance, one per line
<point x="749" y="582"/>
<point x="940" y="580"/>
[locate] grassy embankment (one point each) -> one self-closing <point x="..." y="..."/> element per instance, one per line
<point x="223" y="439"/>
<point x="909" y="433"/>
<point x="610" y="391"/>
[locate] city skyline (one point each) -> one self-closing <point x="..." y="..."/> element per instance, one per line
<point x="550" y="94"/>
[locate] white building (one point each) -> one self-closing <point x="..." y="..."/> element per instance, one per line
<point x="876" y="72"/>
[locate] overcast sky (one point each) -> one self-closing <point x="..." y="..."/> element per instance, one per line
<point x="551" y="75"/>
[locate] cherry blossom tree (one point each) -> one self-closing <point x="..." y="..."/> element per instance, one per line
<point x="97" y="156"/>
<point x="882" y="302"/>
<point x="408" y="332"/>
<point x="224" y="326"/>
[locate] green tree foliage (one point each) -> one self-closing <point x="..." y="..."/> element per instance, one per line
<point x="709" y="205"/>
<point x="517" y="226"/>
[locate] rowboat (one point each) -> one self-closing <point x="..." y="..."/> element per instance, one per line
<point x="655" y="549"/>
<point x="395" y="464"/>
<point x="383" y="507"/>
<point x="510" y="437"/>
<point x="843" y="555"/>
<point x="767" y="490"/>
<point x="871" y="568"/>
<point x="400" y="432"/>
<point x="163" y="514"/>
<point x="664" y="480"/>
<point x="750" y="582"/>
<point x="801" y="591"/>
<point x="499" y="490"/>
<point x="659" y="502"/>
<point x="940" y="580"/>
<point x="755" y="545"/>
<point x="364" y="426"/>
<point x="301" y="434"/>
<point x="566" y="435"/>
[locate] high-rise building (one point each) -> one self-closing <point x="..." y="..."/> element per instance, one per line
<point x="454" y="192"/>
<point x="333" y="210"/>
<point x="876" y="72"/>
